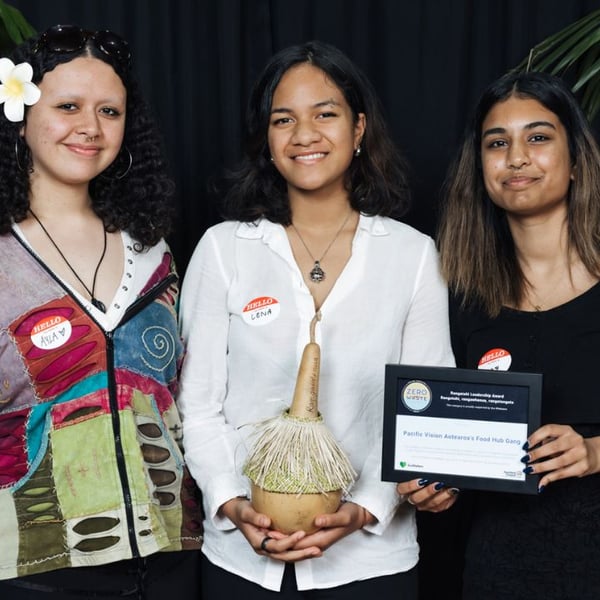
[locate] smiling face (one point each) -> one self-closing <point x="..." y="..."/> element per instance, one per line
<point x="525" y="158"/>
<point x="76" y="129"/>
<point x="312" y="134"/>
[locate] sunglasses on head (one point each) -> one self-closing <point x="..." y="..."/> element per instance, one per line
<point x="70" y="38"/>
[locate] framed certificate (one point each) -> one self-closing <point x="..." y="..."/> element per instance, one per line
<point x="463" y="427"/>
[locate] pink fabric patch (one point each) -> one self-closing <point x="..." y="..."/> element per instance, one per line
<point x="13" y="456"/>
<point x="69" y="359"/>
<point x="25" y="327"/>
<point x="159" y="274"/>
<point x="55" y="369"/>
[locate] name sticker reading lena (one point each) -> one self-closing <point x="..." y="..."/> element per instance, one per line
<point x="261" y="310"/>
<point x="497" y="359"/>
<point x="51" y="332"/>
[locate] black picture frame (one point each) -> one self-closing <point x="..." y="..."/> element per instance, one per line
<point x="468" y="397"/>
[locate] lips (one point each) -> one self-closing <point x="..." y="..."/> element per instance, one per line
<point x="520" y="181"/>
<point x="83" y="150"/>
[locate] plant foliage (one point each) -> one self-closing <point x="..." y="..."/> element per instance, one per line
<point x="14" y="28"/>
<point x="575" y="48"/>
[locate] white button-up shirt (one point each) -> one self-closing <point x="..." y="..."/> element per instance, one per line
<point x="245" y="315"/>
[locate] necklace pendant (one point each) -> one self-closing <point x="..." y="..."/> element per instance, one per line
<point x="98" y="304"/>
<point x="317" y="274"/>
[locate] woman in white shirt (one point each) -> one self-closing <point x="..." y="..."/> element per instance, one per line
<point x="308" y="229"/>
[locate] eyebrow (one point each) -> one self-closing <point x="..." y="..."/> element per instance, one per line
<point x="61" y="98"/>
<point x="497" y="130"/>
<point x="329" y="102"/>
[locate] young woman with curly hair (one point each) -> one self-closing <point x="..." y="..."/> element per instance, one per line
<point x="91" y="473"/>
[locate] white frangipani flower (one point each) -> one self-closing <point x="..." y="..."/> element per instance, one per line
<point x="16" y="89"/>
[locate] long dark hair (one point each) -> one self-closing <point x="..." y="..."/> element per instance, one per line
<point x="477" y="250"/>
<point x="377" y="180"/>
<point x="139" y="202"/>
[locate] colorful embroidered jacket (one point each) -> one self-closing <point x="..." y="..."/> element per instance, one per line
<point x="90" y="467"/>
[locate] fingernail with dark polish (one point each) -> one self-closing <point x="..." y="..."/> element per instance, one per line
<point x="439" y="485"/>
<point x="423" y="482"/>
<point x="528" y="470"/>
<point x="526" y="446"/>
<point x="541" y="489"/>
<point x="454" y="491"/>
<point x="526" y="459"/>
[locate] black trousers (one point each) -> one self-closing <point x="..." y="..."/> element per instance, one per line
<point x="162" y="576"/>
<point x="220" y="584"/>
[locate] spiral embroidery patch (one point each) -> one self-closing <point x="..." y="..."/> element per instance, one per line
<point x="159" y="346"/>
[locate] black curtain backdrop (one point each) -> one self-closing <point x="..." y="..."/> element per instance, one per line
<point x="428" y="59"/>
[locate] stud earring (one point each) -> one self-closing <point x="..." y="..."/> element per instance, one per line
<point x="358" y="151"/>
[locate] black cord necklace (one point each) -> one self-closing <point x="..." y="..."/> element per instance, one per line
<point x="97" y="303"/>
<point x="317" y="274"/>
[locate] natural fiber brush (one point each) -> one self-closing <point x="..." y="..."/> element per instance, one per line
<point x="298" y="456"/>
<point x="295" y="453"/>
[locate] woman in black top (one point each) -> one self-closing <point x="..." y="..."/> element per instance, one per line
<point x="520" y="247"/>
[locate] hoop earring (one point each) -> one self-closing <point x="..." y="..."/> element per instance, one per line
<point x="128" y="166"/>
<point x="358" y="151"/>
<point x="20" y="167"/>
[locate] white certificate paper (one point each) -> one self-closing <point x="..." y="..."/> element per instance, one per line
<point x="460" y="426"/>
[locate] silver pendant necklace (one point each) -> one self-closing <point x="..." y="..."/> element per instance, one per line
<point x="317" y="274"/>
<point x="97" y="303"/>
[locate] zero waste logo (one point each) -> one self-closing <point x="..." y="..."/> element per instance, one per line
<point x="416" y="396"/>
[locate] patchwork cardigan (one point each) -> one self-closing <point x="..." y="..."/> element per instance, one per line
<point x="91" y="470"/>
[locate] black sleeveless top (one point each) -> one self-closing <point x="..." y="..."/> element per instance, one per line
<point x="545" y="546"/>
<point x="562" y="343"/>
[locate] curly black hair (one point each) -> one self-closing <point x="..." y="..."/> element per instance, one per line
<point x="377" y="181"/>
<point x="139" y="202"/>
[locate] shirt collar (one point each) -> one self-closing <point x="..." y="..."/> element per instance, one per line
<point x="375" y="226"/>
<point x="265" y="229"/>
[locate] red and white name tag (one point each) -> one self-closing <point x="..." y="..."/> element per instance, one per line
<point x="496" y="359"/>
<point x="260" y="311"/>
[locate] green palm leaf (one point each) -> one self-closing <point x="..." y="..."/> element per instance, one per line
<point x="589" y="68"/>
<point x="14" y="28"/>
<point x="591" y="97"/>
<point x="573" y="37"/>
<point x="576" y="47"/>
